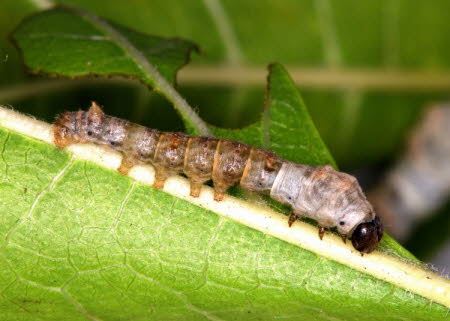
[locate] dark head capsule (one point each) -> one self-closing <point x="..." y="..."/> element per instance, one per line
<point x="366" y="236"/>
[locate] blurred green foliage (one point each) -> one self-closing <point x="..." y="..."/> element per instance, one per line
<point x="359" y="126"/>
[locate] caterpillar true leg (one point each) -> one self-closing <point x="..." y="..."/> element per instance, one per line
<point x="126" y="164"/>
<point x="292" y="219"/>
<point x="160" y="178"/>
<point x="196" y="187"/>
<point x="219" y="192"/>
<point x="322" y="232"/>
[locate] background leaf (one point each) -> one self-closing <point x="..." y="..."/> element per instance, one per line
<point x="360" y="125"/>
<point x="64" y="43"/>
<point x="285" y="125"/>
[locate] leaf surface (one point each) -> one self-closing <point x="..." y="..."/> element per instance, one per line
<point x="79" y="241"/>
<point x="62" y="42"/>
<point x="285" y="125"/>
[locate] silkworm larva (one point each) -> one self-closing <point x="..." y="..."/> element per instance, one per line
<point x="332" y="198"/>
<point x="419" y="183"/>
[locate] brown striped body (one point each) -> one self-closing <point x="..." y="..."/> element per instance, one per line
<point x="200" y="158"/>
<point x="332" y="198"/>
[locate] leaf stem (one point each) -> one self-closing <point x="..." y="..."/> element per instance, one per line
<point x="234" y="55"/>
<point x="399" y="272"/>
<point x="42" y="4"/>
<point x="321" y="78"/>
<point x="152" y="74"/>
<point x="246" y="76"/>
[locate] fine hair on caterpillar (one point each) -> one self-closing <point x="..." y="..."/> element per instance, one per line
<point x="333" y="199"/>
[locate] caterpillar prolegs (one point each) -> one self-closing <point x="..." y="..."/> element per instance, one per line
<point x="332" y="198"/>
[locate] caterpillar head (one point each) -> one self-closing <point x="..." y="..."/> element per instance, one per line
<point x="367" y="235"/>
<point x="78" y="127"/>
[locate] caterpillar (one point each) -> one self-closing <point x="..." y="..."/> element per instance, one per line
<point x="419" y="183"/>
<point x="334" y="199"/>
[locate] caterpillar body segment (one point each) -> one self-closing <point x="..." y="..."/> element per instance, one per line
<point x="332" y="198"/>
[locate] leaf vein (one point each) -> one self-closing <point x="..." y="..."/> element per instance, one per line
<point x="180" y="295"/>
<point x="29" y="214"/>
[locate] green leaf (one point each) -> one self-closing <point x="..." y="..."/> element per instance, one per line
<point x="70" y="42"/>
<point x="62" y="42"/>
<point x="285" y="125"/>
<point x="79" y="241"/>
